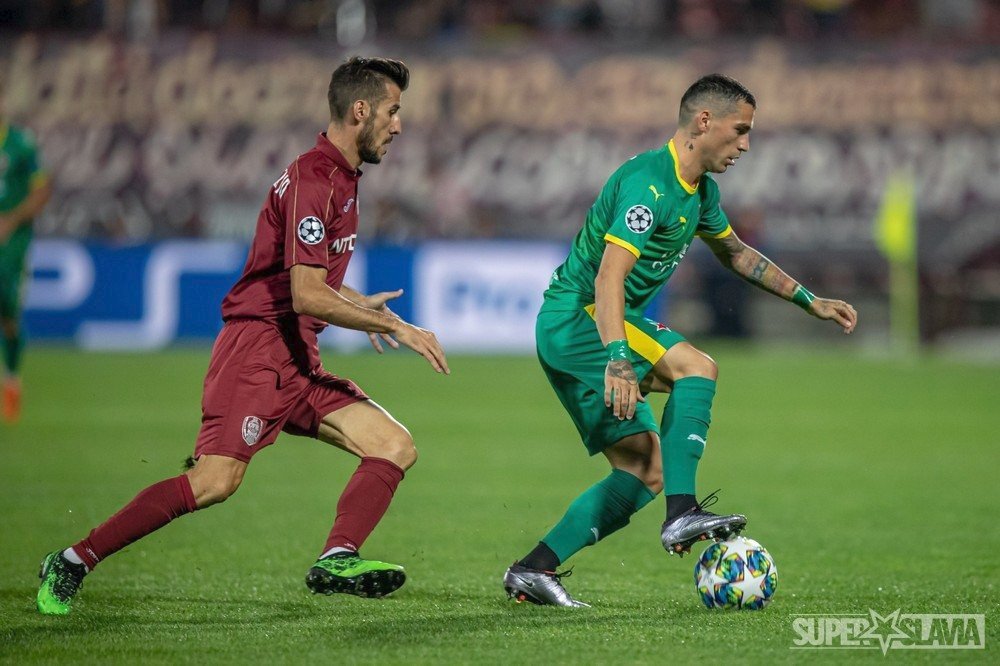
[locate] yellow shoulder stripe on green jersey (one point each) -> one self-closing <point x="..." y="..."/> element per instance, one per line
<point x="38" y="179"/>
<point x="677" y="169"/>
<point x="625" y="244"/>
<point x="638" y="341"/>
<point x="725" y="232"/>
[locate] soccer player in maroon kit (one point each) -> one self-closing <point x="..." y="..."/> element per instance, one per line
<point x="265" y="374"/>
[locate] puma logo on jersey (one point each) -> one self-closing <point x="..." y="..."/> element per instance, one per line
<point x="656" y="195"/>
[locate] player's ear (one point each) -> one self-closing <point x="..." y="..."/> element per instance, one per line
<point x="361" y="109"/>
<point x="703" y="120"/>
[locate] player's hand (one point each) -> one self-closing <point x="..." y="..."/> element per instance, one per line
<point x="425" y="343"/>
<point x="378" y="302"/>
<point x="621" y="389"/>
<point x="839" y="311"/>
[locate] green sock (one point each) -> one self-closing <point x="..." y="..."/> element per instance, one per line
<point x="683" y="432"/>
<point x="12" y="348"/>
<point x="602" y="509"/>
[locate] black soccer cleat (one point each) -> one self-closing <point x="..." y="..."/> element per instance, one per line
<point x="696" y="524"/>
<point x="61" y="579"/>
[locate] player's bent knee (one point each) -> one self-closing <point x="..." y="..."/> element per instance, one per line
<point x="396" y="447"/>
<point x="215" y="482"/>
<point x="209" y="491"/>
<point x="402" y="452"/>
<point x="707" y="368"/>
<point x="694" y="364"/>
<point x="216" y="493"/>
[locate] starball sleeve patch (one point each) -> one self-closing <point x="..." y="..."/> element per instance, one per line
<point x="311" y="230"/>
<point x="639" y="219"/>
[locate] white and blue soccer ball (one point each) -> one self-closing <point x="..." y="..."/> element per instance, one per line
<point x="738" y="573"/>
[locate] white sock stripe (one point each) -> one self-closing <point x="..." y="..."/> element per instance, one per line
<point x="71" y="555"/>
<point x="335" y="550"/>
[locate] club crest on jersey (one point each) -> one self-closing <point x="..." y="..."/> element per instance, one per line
<point x="639" y="219"/>
<point x="311" y="230"/>
<point x="252" y="427"/>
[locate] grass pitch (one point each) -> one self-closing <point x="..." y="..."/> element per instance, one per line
<point x="870" y="481"/>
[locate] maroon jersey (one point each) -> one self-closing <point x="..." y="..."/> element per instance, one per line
<point x="310" y="217"/>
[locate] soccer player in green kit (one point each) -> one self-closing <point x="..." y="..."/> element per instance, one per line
<point x="24" y="191"/>
<point x="602" y="356"/>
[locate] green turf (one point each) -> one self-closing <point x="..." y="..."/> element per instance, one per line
<point x="870" y="481"/>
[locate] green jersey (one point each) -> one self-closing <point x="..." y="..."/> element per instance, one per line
<point x="648" y="209"/>
<point x="19" y="173"/>
<point x="19" y="167"/>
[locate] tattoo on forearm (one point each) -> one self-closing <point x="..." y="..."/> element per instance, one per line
<point x="623" y="370"/>
<point x="752" y="266"/>
<point x="758" y="270"/>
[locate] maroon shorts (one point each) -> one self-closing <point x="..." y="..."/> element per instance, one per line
<point x="254" y="389"/>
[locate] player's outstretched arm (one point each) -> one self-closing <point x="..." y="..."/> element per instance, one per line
<point x="312" y="296"/>
<point x="758" y="270"/>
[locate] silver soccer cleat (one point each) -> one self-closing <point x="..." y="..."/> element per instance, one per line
<point x="696" y="524"/>
<point x="538" y="587"/>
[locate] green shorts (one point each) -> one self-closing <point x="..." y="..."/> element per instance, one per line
<point x="570" y="351"/>
<point x="13" y="257"/>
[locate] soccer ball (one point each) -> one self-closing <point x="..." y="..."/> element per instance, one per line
<point x="738" y="573"/>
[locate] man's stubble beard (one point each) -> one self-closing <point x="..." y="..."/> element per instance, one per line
<point x="367" y="146"/>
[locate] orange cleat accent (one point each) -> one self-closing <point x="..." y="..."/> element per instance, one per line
<point x="11" y="400"/>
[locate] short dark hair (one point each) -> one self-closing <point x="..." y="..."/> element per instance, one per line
<point x="715" y="91"/>
<point x="363" y="78"/>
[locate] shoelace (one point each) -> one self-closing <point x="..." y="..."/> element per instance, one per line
<point x="564" y="574"/>
<point x="67" y="581"/>
<point x="709" y="500"/>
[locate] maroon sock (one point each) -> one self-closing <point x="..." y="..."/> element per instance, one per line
<point x="363" y="503"/>
<point x="151" y="509"/>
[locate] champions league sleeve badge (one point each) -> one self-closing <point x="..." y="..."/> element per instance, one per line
<point x="311" y="230"/>
<point x="639" y="219"/>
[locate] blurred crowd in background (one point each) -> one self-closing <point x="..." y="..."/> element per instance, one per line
<point x="159" y="119"/>
<point x="530" y="19"/>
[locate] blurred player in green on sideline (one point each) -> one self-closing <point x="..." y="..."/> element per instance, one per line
<point x="24" y="190"/>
